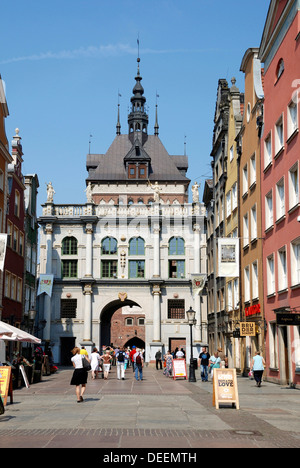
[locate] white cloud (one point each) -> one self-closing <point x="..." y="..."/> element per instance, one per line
<point x="94" y="52"/>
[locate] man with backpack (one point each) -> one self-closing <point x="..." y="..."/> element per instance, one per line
<point x="120" y="358"/>
<point x="138" y="364"/>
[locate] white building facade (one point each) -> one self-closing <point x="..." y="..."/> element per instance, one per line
<point x="134" y="248"/>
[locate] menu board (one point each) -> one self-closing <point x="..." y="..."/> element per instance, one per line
<point x="6" y="384"/>
<point x="225" y="388"/>
<point x="179" y="368"/>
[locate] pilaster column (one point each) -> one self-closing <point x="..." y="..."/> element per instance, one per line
<point x="156" y="243"/>
<point x="197" y="298"/>
<point x="47" y="299"/>
<point x="156" y="313"/>
<point x="87" y="328"/>
<point x="89" y="250"/>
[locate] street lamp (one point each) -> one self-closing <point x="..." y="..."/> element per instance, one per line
<point x="192" y="321"/>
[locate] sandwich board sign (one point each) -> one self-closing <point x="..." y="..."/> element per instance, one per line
<point x="179" y="368"/>
<point x="225" y="388"/>
<point x="6" y="384"/>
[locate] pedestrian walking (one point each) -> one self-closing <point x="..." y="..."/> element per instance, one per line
<point x="95" y="363"/>
<point x="80" y="374"/>
<point x="214" y="363"/>
<point x="169" y="364"/>
<point x="258" y="367"/>
<point x="138" y="364"/>
<point x="179" y="354"/>
<point x="83" y="351"/>
<point x="120" y="357"/>
<point x="107" y="359"/>
<point x="158" y="356"/>
<point x="126" y="358"/>
<point x="223" y="357"/>
<point x="132" y="353"/>
<point x="203" y="364"/>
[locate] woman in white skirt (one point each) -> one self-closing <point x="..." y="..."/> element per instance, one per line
<point x="95" y="363"/>
<point x="80" y="375"/>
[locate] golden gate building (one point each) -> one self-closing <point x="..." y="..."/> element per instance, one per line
<point x="123" y="263"/>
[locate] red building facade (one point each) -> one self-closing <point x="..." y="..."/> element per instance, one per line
<point x="280" y="165"/>
<point x="14" y="259"/>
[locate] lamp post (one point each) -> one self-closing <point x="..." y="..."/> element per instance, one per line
<point x="192" y="321"/>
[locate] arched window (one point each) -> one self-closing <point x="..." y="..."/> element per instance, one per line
<point x="136" y="246"/>
<point x="176" y="246"/>
<point x="279" y="69"/>
<point x="69" y="246"/>
<point x="109" y="246"/>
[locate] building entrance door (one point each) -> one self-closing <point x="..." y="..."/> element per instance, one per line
<point x="66" y="346"/>
<point x="175" y="343"/>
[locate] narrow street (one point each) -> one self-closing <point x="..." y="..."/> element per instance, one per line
<point x="157" y="413"/>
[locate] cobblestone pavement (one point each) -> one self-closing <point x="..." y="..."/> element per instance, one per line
<point x="157" y="412"/>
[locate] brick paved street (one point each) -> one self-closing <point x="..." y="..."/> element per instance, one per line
<point x="158" y="412"/>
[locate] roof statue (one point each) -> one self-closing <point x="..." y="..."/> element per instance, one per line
<point x="50" y="192"/>
<point x="195" y="192"/>
<point x="157" y="189"/>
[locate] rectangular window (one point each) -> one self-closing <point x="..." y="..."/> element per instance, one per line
<point x="229" y="297"/>
<point x="17" y="204"/>
<point x="236" y="293"/>
<point x="270" y="275"/>
<point x="228" y="204"/>
<point x="7" y="284"/>
<point x="252" y="170"/>
<point x="68" y="308"/>
<point x="293" y="186"/>
<point x="234" y="196"/>
<point x="19" y="289"/>
<point x="247" y="284"/>
<point x="15" y="240"/>
<point x="254" y="280"/>
<point x="295" y="262"/>
<point x="268" y="151"/>
<point x="136" y="269"/>
<point x="69" y="268"/>
<point x="253" y="223"/>
<point x="279" y="136"/>
<point x="273" y="346"/>
<point x="282" y="270"/>
<point x="269" y="210"/>
<point x="176" y="268"/>
<point x="176" y="309"/>
<point x="245" y="180"/>
<point x="246" y="230"/>
<point x="109" y="268"/>
<point x="9" y="233"/>
<point x="292" y="118"/>
<point x="231" y="154"/>
<point x="280" y="199"/>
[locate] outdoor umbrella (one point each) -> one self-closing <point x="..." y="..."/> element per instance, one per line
<point x="10" y="333"/>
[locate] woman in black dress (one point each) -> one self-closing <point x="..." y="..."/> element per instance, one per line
<point x="80" y="375"/>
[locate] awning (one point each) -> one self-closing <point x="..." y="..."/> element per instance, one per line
<point x="10" y="333"/>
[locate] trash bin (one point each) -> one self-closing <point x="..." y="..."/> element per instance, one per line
<point x="195" y="362"/>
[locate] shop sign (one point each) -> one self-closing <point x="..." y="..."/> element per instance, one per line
<point x="6" y="384"/>
<point x="179" y="368"/>
<point x="247" y="329"/>
<point x="252" y="310"/>
<point x="225" y="389"/>
<point x="288" y="319"/>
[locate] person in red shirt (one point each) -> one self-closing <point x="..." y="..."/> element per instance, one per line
<point x="131" y="354"/>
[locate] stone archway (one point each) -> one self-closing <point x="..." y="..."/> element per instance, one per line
<point x="112" y="324"/>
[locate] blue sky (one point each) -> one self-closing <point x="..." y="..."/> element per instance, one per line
<point x="63" y="63"/>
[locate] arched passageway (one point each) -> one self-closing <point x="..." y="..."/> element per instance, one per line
<point x="126" y="334"/>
